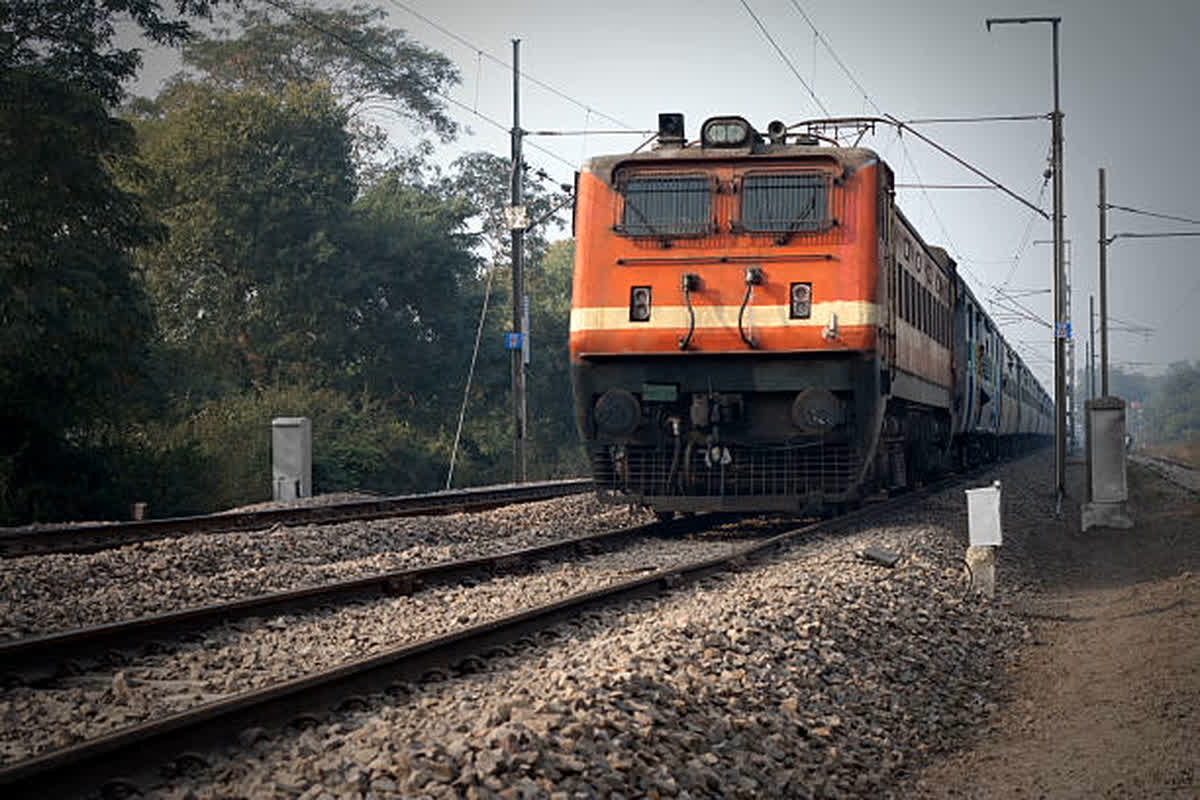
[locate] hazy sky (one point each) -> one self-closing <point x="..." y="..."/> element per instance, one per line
<point x="1129" y="92"/>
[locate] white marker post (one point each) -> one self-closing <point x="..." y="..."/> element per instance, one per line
<point x="984" y="533"/>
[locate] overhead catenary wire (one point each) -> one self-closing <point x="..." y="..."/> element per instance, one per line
<point x="998" y="118"/>
<point x="507" y="65"/>
<point x="1025" y="237"/>
<point x="1160" y="235"/>
<point x="291" y="12"/>
<point x="766" y="33"/>
<point x="870" y="101"/>
<point x="1171" y="217"/>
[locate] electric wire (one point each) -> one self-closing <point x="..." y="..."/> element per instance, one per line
<point x="280" y="6"/>
<point x="829" y="48"/>
<point x="1023" y="246"/>
<point x="908" y="156"/>
<point x="464" y="42"/>
<point x="462" y="414"/>
<point x="1000" y="118"/>
<point x="1152" y="214"/>
<point x="783" y="55"/>
<point x="1161" y="235"/>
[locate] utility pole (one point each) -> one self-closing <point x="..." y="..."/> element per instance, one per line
<point x="1103" y="289"/>
<point x="1060" y="324"/>
<point x="1092" y="350"/>
<point x="1068" y="285"/>
<point x="517" y="223"/>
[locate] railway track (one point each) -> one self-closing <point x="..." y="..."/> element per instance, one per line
<point x="1176" y="472"/>
<point x="174" y="740"/>
<point x="92" y="538"/>
<point x="37" y="657"/>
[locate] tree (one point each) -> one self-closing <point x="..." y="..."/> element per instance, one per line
<point x="484" y="179"/>
<point x="71" y="40"/>
<point x="73" y="322"/>
<point x="412" y="288"/>
<point x="1174" y="413"/>
<point x="255" y="189"/>
<point x="370" y="68"/>
<point x="556" y="449"/>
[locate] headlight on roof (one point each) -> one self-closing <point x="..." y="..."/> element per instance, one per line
<point x="726" y="132"/>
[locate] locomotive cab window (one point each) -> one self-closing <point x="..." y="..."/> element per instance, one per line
<point x="789" y="203"/>
<point x="666" y="205"/>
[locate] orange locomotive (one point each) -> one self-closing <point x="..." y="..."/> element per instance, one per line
<point x="755" y="326"/>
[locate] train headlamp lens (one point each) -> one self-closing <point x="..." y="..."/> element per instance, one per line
<point x="617" y="413"/>
<point x="725" y="132"/>
<point x="801" y="300"/>
<point x="639" y="304"/>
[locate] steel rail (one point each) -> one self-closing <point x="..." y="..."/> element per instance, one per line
<point x="1168" y="469"/>
<point x="91" y="538"/>
<point x="40" y="655"/>
<point x="131" y="753"/>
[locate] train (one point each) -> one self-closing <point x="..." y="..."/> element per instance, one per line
<point x="756" y="326"/>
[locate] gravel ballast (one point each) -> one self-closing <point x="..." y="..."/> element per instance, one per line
<point x="47" y="593"/>
<point x="256" y="653"/>
<point x="817" y="674"/>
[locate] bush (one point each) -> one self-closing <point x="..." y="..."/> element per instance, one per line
<point x="358" y="444"/>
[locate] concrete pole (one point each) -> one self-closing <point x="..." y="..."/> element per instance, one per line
<point x="518" y="278"/>
<point x="1060" y="375"/>
<point x="1060" y="333"/>
<point x="1092" y="351"/>
<point x="1103" y="289"/>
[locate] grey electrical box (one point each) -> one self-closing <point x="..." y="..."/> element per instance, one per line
<point x="983" y="516"/>
<point x="1106" y="427"/>
<point x="1108" y="489"/>
<point x="291" y="457"/>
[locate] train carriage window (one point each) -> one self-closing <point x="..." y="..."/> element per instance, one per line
<point x="786" y="203"/>
<point x="908" y="304"/>
<point x="907" y="249"/>
<point x="925" y="317"/>
<point x="926" y="309"/>
<point x="667" y="205"/>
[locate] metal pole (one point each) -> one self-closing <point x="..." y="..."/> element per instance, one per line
<point x="1060" y="333"/>
<point x="1060" y="383"/>
<point x="1092" y="351"/>
<point x="518" y="278"/>
<point x="1103" y="289"/>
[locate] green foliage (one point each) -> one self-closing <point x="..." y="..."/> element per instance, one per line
<point x="486" y="179"/>
<point x="255" y="189"/>
<point x="412" y="281"/>
<point x="369" y="67"/>
<point x="556" y="451"/>
<point x="1174" y="410"/>
<point x="74" y="325"/>
<point x="358" y="443"/>
<point x="73" y="321"/>
<point x="71" y="40"/>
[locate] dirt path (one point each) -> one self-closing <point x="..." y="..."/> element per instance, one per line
<point x="1106" y="700"/>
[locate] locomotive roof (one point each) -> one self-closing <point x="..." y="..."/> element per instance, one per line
<point x="849" y="158"/>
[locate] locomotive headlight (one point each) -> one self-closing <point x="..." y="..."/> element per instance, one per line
<point x="816" y="411"/>
<point x="801" y="300"/>
<point x="639" y="304"/>
<point x="725" y="132"/>
<point x="617" y="413"/>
